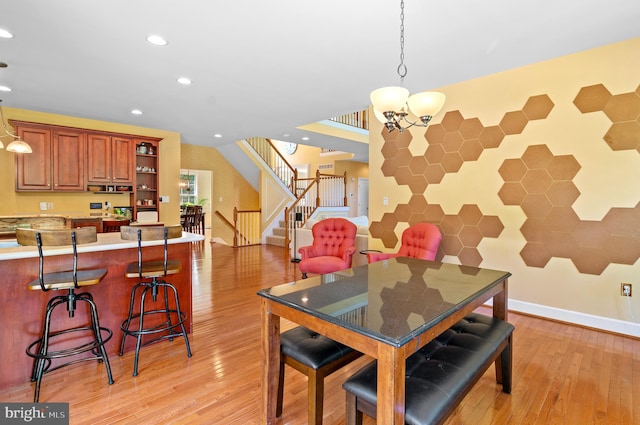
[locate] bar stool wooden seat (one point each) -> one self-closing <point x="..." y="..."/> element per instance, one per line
<point x="160" y="320"/>
<point x="71" y="342"/>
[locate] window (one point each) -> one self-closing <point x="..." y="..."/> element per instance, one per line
<point x="188" y="189"/>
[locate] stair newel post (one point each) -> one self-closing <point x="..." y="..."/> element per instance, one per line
<point x="345" y="189"/>
<point x="318" y="188"/>
<point x="295" y="182"/>
<point x="235" y="226"/>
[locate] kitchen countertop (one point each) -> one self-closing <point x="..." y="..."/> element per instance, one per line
<point x="11" y="250"/>
<point x="9" y="224"/>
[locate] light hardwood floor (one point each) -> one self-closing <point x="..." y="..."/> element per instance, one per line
<point x="562" y="374"/>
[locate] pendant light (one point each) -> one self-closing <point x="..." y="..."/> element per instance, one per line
<point x="17" y="145"/>
<point x="391" y="105"/>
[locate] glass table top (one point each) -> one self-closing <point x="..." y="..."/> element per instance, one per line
<point x="391" y="300"/>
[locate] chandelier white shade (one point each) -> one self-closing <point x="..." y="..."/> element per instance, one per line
<point x="389" y="99"/>
<point x="19" y="146"/>
<point x="426" y="104"/>
<point x="391" y="105"/>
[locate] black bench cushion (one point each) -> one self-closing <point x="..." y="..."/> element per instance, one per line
<point x="310" y="348"/>
<point x="439" y="372"/>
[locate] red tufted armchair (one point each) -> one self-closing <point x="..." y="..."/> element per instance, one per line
<point x="332" y="249"/>
<point x="418" y="241"/>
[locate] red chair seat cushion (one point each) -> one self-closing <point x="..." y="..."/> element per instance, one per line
<point x="323" y="264"/>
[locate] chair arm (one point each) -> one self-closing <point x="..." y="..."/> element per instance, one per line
<point x="348" y="253"/>
<point x="372" y="257"/>
<point x="308" y="251"/>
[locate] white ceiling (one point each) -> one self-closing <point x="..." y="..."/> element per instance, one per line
<point x="263" y="68"/>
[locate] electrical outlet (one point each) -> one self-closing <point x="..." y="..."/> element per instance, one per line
<point x="625" y="289"/>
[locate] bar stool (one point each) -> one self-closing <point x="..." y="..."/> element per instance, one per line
<point x="162" y="322"/>
<point x="40" y="349"/>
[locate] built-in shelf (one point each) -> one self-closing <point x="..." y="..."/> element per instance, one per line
<point x="103" y="192"/>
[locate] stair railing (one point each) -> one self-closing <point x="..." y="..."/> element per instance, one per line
<point x="359" y="119"/>
<point x="324" y="190"/>
<point x="246" y="227"/>
<point x="274" y="160"/>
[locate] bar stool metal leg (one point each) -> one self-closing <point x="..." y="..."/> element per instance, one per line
<point x="167" y="326"/>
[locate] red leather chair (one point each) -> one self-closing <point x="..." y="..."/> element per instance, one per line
<point x="418" y="241"/>
<point x="332" y="249"/>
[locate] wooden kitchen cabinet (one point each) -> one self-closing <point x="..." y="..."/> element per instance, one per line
<point x="57" y="161"/>
<point x="110" y="160"/>
<point x="76" y="159"/>
<point x="68" y="160"/>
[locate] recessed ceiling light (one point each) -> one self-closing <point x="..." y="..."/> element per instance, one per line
<point x="305" y="138"/>
<point x="157" y="40"/>
<point x="4" y="88"/>
<point x="184" y="80"/>
<point x="285" y="135"/>
<point x="136" y="112"/>
<point x="217" y="135"/>
<point x="5" y="34"/>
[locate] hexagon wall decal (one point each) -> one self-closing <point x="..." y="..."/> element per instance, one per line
<point x="623" y="110"/>
<point x="451" y="143"/>
<point x="552" y="228"/>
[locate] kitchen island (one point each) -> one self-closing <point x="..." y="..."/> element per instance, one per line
<point x="22" y="310"/>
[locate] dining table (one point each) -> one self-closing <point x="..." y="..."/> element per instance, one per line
<point x="387" y="310"/>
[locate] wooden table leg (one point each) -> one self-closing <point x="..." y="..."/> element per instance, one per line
<point x="391" y="373"/>
<point x="271" y="362"/>
<point x="501" y="311"/>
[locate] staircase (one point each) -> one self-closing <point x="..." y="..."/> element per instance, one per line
<point x="279" y="236"/>
<point x="308" y="193"/>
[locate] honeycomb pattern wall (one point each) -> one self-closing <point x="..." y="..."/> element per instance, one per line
<point x="622" y="109"/>
<point x="452" y="142"/>
<point x="539" y="182"/>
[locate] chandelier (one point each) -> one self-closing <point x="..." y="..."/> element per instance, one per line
<point x="17" y="145"/>
<point x="391" y="105"/>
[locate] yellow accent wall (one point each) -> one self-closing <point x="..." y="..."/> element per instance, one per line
<point x="229" y="188"/>
<point x="354" y="170"/>
<point x="534" y="171"/>
<point x="77" y="204"/>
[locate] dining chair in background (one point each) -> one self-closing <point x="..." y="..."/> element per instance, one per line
<point x="332" y="249"/>
<point x="420" y="240"/>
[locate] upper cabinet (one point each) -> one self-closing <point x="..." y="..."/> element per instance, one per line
<point x="57" y="161"/>
<point x="110" y="160"/>
<point x="74" y="159"/>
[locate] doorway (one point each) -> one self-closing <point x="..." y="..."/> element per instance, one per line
<point x="196" y="188"/>
<point x="363" y="196"/>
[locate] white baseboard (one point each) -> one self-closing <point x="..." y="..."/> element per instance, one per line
<point x="575" y="317"/>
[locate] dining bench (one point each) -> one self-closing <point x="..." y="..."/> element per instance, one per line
<point x="440" y="374"/>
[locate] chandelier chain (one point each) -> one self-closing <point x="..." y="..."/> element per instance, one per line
<point x="402" y="68"/>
